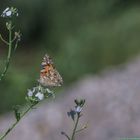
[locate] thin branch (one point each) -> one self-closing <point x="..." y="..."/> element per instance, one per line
<point x="16" y="45"/>
<point x="3" y="40"/>
<point x="13" y="39"/>
<point x="8" y="55"/>
<point x="5" y="69"/>
<point x="83" y="128"/>
<point x="75" y="127"/>
<point x="13" y="126"/>
<point x="63" y="133"/>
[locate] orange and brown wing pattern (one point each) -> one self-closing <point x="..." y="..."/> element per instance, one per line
<point x="49" y="76"/>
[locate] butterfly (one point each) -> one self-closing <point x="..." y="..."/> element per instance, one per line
<point x="49" y="76"/>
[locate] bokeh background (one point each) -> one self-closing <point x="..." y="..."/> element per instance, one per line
<point x="83" y="37"/>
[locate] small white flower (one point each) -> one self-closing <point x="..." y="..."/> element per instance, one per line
<point x="30" y="93"/>
<point x="78" y="109"/>
<point x="40" y="96"/>
<point x="6" y="10"/>
<point x="9" y="12"/>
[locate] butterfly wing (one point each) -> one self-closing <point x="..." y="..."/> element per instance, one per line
<point x="49" y="76"/>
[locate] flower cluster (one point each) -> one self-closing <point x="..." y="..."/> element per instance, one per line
<point x="79" y="105"/>
<point x="77" y="109"/>
<point x="9" y="12"/>
<point x="38" y="93"/>
<point x="17" y="36"/>
<point x="75" y="114"/>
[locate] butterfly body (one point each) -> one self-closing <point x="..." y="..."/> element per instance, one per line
<point x="49" y="76"/>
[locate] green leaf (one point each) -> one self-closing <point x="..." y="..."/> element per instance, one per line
<point x="17" y="112"/>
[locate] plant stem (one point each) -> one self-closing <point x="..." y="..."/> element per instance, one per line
<point x="81" y="129"/>
<point x="75" y="127"/>
<point x="3" y="40"/>
<point x="9" y="53"/>
<point x="13" y="126"/>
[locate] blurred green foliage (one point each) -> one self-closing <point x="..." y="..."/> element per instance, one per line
<point x="82" y="36"/>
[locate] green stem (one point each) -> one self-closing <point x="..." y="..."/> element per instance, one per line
<point x="9" y="53"/>
<point x="13" y="126"/>
<point x="77" y="131"/>
<point x="16" y="45"/>
<point x="75" y="127"/>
